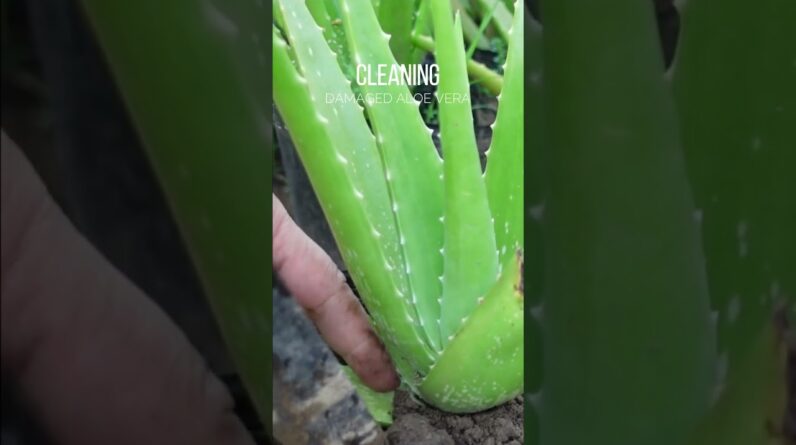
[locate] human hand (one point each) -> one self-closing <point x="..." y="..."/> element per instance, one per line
<point x="95" y="360"/>
<point x="320" y="288"/>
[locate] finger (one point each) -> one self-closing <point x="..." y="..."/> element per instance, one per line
<point x="320" y="288"/>
<point x="97" y="361"/>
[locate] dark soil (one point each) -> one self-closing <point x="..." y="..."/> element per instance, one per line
<point x="418" y="424"/>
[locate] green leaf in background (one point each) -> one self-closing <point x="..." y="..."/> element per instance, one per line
<point x="395" y="17"/>
<point x="193" y="77"/>
<point x="500" y="14"/>
<point x="628" y="345"/>
<point x="734" y="78"/>
<point x="472" y="31"/>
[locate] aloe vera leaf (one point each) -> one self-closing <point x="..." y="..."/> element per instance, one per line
<point x="218" y="196"/>
<point x="750" y="409"/>
<point x="335" y="35"/>
<point x="483" y="366"/>
<point x="347" y="125"/>
<point x="293" y="99"/>
<point x="470" y="265"/>
<point x="414" y="169"/>
<point x="501" y="17"/>
<point x="628" y="343"/>
<point x="504" y="167"/>
<point x="395" y="17"/>
<point x="373" y="264"/>
<point x="733" y="79"/>
<point x="491" y="80"/>
<point x="321" y="16"/>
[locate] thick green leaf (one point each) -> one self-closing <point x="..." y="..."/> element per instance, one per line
<point x="734" y="79"/>
<point x="192" y="78"/>
<point x="504" y="167"/>
<point x="414" y="169"/>
<point x="356" y="202"/>
<point x="628" y="344"/>
<point x="319" y="13"/>
<point x="396" y="17"/>
<point x="470" y="256"/>
<point x="483" y="366"/>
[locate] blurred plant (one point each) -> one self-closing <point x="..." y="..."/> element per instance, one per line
<point x="435" y="248"/>
<point x="196" y="94"/>
<point x="664" y="204"/>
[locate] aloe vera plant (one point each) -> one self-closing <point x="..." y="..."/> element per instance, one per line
<point x="434" y="247"/>
<point x="662" y="198"/>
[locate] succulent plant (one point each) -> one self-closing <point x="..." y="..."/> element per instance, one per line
<point x="660" y="246"/>
<point x="434" y="246"/>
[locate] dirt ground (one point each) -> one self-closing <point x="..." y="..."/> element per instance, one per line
<point x="418" y="424"/>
